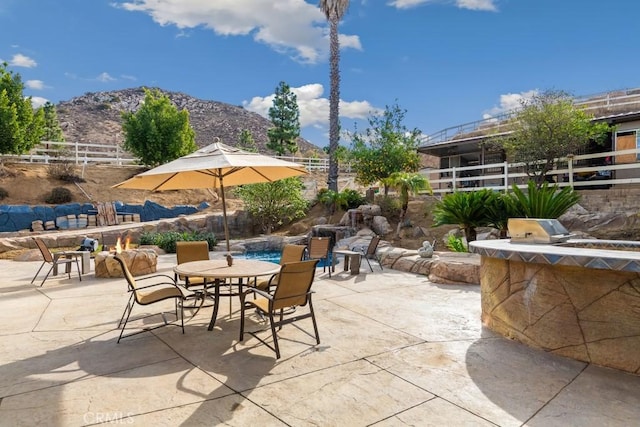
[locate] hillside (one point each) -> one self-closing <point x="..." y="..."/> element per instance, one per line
<point x="95" y="118"/>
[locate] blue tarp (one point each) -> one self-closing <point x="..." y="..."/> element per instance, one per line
<point x="20" y="217"/>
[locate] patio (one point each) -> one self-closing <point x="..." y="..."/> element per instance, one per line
<point x="395" y="349"/>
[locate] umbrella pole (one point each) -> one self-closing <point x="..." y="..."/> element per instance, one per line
<point x="224" y="216"/>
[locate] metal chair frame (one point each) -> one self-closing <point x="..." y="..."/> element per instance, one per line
<point x="371" y="251"/>
<point x="58" y="259"/>
<point x="293" y="290"/>
<point x="135" y="298"/>
<point x="320" y="248"/>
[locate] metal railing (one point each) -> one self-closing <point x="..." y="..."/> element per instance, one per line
<point x="598" y="104"/>
<point x="580" y="171"/>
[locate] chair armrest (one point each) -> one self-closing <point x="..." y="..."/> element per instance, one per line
<point x="155" y="276"/>
<point x="260" y="292"/>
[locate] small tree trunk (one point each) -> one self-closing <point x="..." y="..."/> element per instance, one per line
<point x="470" y="233"/>
<point x="403" y="213"/>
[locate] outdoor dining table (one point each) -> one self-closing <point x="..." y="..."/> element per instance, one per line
<point x="219" y="271"/>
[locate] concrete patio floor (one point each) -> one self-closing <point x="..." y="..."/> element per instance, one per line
<point x="395" y="349"/>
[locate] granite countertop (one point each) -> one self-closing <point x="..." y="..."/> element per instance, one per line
<point x="589" y="253"/>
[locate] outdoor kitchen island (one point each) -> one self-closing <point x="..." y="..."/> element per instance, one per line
<point x="577" y="298"/>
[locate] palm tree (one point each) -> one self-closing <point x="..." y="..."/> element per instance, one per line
<point x="334" y="10"/>
<point x="467" y="209"/>
<point x="542" y="201"/>
<point x="406" y="183"/>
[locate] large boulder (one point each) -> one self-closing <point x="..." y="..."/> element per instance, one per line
<point x="601" y="225"/>
<point x="380" y="225"/>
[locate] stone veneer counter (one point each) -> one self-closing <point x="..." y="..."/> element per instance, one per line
<point x="579" y="299"/>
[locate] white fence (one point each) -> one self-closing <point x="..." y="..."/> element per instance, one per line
<point x="75" y="152"/>
<point x="580" y="171"/>
<point x="86" y="153"/>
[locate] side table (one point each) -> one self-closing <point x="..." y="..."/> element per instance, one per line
<point x="350" y="257"/>
<point x="85" y="260"/>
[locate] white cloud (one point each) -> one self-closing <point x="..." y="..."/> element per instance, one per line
<point x="314" y="109"/>
<point x="34" y="84"/>
<point x="38" y="101"/>
<point x="486" y="5"/>
<point x="292" y="27"/>
<point x="510" y="102"/>
<point x="477" y="5"/>
<point x="128" y="77"/>
<point x="20" y="60"/>
<point x="105" y="78"/>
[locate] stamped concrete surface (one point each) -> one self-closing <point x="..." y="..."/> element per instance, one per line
<point x="396" y="349"/>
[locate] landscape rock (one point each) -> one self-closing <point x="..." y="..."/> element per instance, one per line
<point x="380" y="225"/>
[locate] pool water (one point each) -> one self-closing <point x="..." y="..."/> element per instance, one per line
<point x="270" y="256"/>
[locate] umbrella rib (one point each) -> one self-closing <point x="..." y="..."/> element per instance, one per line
<point x="169" y="178"/>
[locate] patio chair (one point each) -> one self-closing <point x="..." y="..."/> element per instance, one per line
<point x="55" y="261"/>
<point x="319" y="248"/>
<point x="293" y="290"/>
<point x="371" y="252"/>
<point x="290" y="253"/>
<point x="193" y="251"/>
<point x="163" y="288"/>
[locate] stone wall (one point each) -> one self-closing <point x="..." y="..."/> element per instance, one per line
<point x="587" y="314"/>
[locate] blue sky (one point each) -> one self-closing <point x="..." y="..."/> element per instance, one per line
<point x="447" y="62"/>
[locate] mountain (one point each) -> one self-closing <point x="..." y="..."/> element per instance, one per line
<point x="96" y="118"/>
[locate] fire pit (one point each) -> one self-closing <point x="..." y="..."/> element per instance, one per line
<point x="139" y="261"/>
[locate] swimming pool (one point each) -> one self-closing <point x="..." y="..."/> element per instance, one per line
<point x="270" y="256"/>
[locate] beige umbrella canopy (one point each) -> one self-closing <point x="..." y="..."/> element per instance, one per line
<point x="214" y="166"/>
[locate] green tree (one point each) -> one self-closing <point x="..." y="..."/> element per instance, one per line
<point x="272" y="204"/>
<point x="285" y="117"/>
<point x="247" y="142"/>
<point x="548" y="127"/>
<point x="334" y="10"/>
<point x="341" y="154"/>
<point x="387" y="146"/>
<point x="21" y="127"/>
<point x="406" y="184"/>
<point x="52" y="130"/>
<point x="158" y="133"/>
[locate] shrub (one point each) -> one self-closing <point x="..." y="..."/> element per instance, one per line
<point x="347" y="199"/>
<point x="3" y="193"/>
<point x="64" y="170"/>
<point x="167" y="241"/>
<point x="353" y="198"/>
<point x="455" y="244"/>
<point x="272" y="204"/>
<point x="390" y="206"/>
<point x="59" y="195"/>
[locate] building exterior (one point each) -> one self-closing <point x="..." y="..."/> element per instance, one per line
<point x="466" y="162"/>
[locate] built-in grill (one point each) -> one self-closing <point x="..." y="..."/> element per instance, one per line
<point x="537" y="230"/>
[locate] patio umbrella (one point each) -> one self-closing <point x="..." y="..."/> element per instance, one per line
<point x="214" y="166"/>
